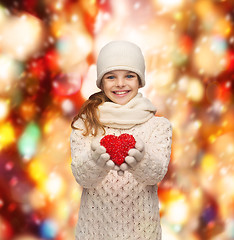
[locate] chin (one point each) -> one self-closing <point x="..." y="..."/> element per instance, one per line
<point x="122" y="102"/>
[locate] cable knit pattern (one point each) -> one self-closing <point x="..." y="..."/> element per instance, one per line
<point x="124" y="207"/>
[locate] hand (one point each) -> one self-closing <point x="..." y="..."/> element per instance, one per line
<point x="100" y="156"/>
<point x="135" y="155"/>
<point x="119" y="171"/>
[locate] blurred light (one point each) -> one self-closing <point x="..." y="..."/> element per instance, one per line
<point x="218" y="45"/>
<point x="204" y="8"/>
<point x="4" y="109"/>
<point x="217" y="107"/>
<point x="195" y="90"/>
<point x="223" y="27"/>
<point x="36" y="197"/>
<point x="175" y="206"/>
<point x="167" y="233"/>
<point x="178" y="211"/>
<point x="26" y="237"/>
<point x="28" y="110"/>
<point x="67" y="84"/>
<point x="89" y="84"/>
<point x="178" y="57"/>
<point x="178" y="16"/>
<point x="209" y="164"/>
<point x="168" y="4"/>
<point x="210" y="56"/>
<point x="230" y="228"/>
<point x="74" y="18"/>
<point x="54" y="185"/>
<point x="90" y="6"/>
<point x="230" y="60"/>
<point x="196" y="199"/>
<point x="73" y="46"/>
<point x="9" y="166"/>
<point x="183" y="83"/>
<point x="209" y="214"/>
<point x="67" y="106"/>
<point x="4" y="13"/>
<point x="181" y="51"/>
<point x="197" y="124"/>
<point x="6" y="231"/>
<point x="49" y="229"/>
<point x="162" y="80"/>
<point x="7" y="135"/>
<point x="226" y="183"/>
<point x="58" y="5"/>
<point x="27" y="144"/>
<point x="37" y="171"/>
<point x="21" y="36"/>
<point x="10" y="70"/>
<point x="61" y="211"/>
<point x="1" y="203"/>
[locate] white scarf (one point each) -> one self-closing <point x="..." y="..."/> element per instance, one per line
<point x="138" y="110"/>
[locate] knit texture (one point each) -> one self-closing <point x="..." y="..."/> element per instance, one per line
<point x="138" y="110"/>
<point x="124" y="207"/>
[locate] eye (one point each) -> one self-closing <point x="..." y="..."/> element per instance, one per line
<point x="110" y="77"/>
<point x="130" y="76"/>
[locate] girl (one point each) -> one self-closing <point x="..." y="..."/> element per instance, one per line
<point x="119" y="202"/>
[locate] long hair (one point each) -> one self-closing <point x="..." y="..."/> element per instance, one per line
<point x="89" y="114"/>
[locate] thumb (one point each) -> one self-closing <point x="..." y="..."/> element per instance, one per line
<point x="139" y="144"/>
<point x="95" y="143"/>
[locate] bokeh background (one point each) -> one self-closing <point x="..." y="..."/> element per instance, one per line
<point x="48" y="51"/>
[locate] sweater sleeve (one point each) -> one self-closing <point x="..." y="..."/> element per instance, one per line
<point x="85" y="170"/>
<point x="154" y="165"/>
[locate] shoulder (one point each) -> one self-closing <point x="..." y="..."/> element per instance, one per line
<point x="161" y="126"/>
<point x="156" y="121"/>
<point x="79" y="123"/>
<point x="77" y="128"/>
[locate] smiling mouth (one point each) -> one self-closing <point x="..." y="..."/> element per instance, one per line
<point x="121" y="92"/>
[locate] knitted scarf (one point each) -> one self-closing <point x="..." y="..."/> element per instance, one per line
<point x="138" y="110"/>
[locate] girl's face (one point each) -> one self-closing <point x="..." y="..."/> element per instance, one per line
<point x="120" y="86"/>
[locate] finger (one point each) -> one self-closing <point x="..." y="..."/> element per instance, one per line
<point x="94" y="144"/>
<point x="139" y="144"/>
<point x="96" y="154"/>
<point x="100" y="150"/>
<point x="131" y="161"/>
<point x="103" y="159"/>
<point x="110" y="164"/>
<point x="120" y="173"/>
<point x="135" y="153"/>
<point x="124" y="166"/>
<point x="117" y="168"/>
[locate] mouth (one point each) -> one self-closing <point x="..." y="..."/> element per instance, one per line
<point x="121" y="93"/>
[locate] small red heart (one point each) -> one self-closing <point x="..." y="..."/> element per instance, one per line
<point x="118" y="147"/>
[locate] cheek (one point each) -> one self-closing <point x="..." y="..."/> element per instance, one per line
<point x="135" y="85"/>
<point x="106" y="88"/>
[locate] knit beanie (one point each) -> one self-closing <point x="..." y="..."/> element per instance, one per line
<point x="120" y="55"/>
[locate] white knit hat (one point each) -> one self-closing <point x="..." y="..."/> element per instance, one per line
<point x="120" y="55"/>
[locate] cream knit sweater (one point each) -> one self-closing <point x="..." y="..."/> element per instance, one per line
<point x="124" y="207"/>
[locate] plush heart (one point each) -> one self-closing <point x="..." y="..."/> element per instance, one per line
<point x="118" y="146"/>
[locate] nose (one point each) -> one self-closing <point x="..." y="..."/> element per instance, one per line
<point x="120" y="82"/>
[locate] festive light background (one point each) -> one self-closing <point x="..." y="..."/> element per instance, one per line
<point x="48" y="51"/>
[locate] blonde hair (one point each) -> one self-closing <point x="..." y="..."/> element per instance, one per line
<point x="89" y="114"/>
